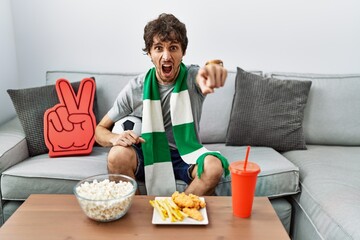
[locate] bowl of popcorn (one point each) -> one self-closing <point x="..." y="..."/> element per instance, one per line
<point x="105" y="197"/>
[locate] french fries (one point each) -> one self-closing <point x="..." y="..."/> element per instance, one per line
<point x="168" y="209"/>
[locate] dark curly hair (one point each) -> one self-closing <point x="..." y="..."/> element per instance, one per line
<point x="168" y="28"/>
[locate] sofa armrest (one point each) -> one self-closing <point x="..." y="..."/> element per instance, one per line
<point x="13" y="146"/>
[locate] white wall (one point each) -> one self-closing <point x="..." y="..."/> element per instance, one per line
<point x="320" y="36"/>
<point x="8" y="67"/>
<point x="106" y="35"/>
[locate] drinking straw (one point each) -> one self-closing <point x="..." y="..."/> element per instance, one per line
<point x="246" y="157"/>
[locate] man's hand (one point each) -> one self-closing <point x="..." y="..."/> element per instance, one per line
<point x="211" y="76"/>
<point x="126" y="138"/>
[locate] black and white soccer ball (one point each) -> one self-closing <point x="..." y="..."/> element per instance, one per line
<point x="128" y="123"/>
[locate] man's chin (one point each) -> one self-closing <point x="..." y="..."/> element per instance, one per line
<point x="167" y="77"/>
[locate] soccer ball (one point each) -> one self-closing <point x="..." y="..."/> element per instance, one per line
<point x="128" y="123"/>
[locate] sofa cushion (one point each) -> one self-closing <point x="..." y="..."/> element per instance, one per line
<point x="216" y="111"/>
<point x="332" y="112"/>
<point x="278" y="176"/>
<point x="330" y="189"/>
<point x="30" y="105"/>
<point x="40" y="174"/>
<point x="268" y="112"/>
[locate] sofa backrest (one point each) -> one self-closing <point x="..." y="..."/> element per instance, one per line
<point x="216" y="112"/>
<point x="332" y="113"/>
<point x="217" y="109"/>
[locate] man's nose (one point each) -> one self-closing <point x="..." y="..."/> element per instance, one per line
<point x="166" y="55"/>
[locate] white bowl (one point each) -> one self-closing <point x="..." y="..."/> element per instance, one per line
<point x="105" y="197"/>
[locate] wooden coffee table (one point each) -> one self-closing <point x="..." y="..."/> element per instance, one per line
<point x="51" y="216"/>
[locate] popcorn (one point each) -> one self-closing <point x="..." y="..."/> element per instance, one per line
<point x="105" y="200"/>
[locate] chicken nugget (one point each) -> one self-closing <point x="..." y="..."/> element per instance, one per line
<point x="198" y="204"/>
<point x="183" y="200"/>
<point x="193" y="213"/>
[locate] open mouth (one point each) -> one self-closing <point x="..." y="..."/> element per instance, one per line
<point x="167" y="68"/>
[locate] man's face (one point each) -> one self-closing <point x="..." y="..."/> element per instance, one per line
<point x="167" y="57"/>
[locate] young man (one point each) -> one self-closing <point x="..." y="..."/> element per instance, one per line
<point x="169" y="100"/>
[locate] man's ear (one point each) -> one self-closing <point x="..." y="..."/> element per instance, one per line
<point x="149" y="55"/>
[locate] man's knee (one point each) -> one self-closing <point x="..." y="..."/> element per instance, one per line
<point x="120" y="157"/>
<point x="213" y="169"/>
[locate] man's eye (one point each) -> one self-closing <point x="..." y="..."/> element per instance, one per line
<point x="173" y="48"/>
<point x="158" y="48"/>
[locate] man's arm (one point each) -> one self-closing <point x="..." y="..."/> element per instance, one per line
<point x="211" y="76"/>
<point x="103" y="133"/>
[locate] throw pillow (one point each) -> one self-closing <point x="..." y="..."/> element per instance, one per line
<point x="30" y="105"/>
<point x="268" y="112"/>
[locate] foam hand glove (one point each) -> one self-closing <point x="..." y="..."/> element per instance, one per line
<point x="69" y="127"/>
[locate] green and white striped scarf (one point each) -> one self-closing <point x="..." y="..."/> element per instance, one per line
<point x="159" y="175"/>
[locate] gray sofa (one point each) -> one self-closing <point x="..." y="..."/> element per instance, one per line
<point x="315" y="192"/>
